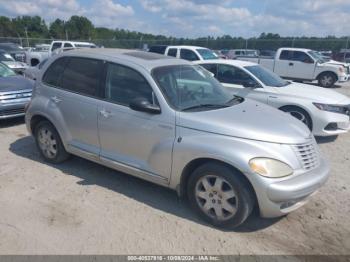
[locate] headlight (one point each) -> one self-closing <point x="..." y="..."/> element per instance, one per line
<point x="269" y="167"/>
<point x="341" y="69"/>
<point x="330" y="108"/>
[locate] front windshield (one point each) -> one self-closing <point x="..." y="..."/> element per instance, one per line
<point x="5" y="71"/>
<point x="188" y="87"/>
<point x="207" y="54"/>
<point x="6" y="57"/>
<point x="266" y="76"/>
<point x="317" y="56"/>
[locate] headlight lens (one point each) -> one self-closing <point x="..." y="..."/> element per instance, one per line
<point x="330" y="108"/>
<point x="269" y="167"/>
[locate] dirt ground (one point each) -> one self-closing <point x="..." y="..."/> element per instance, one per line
<point x="83" y="208"/>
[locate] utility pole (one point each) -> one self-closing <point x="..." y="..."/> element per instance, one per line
<point x="66" y="34"/>
<point x="26" y="31"/>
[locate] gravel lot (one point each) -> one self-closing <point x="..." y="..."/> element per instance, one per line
<point x="83" y="208"/>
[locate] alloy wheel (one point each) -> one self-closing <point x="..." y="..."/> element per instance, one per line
<point x="47" y="143"/>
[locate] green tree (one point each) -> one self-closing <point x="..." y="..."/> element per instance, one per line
<point x="57" y="29"/>
<point x="79" y="27"/>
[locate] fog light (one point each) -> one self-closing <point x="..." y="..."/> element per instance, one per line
<point x="331" y="127"/>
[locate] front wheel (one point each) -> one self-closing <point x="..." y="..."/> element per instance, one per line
<point x="219" y="195"/>
<point x="327" y="80"/>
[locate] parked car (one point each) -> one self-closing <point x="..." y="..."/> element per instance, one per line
<point x="267" y="53"/>
<point x="170" y="122"/>
<point x="235" y="53"/>
<point x="8" y="60"/>
<point x="15" y="93"/>
<point x="189" y="53"/>
<point x="303" y="65"/>
<point x="16" y="51"/>
<point x="33" y="71"/>
<point x="35" y="55"/>
<point x="342" y="56"/>
<point x="325" y="112"/>
<point x="59" y="46"/>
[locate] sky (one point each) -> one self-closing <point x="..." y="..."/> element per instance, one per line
<point x="195" y="18"/>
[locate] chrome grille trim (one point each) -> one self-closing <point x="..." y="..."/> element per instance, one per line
<point x="307" y="155"/>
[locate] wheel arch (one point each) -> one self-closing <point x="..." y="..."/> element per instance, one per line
<point x="328" y="72"/>
<point x="300" y="108"/>
<point x="195" y="163"/>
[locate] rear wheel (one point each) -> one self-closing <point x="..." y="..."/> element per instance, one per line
<point x="49" y="143"/>
<point x="299" y="114"/>
<point x="220" y="195"/>
<point x="326" y="80"/>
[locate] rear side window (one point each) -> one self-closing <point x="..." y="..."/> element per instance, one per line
<point x="285" y="55"/>
<point x="188" y="55"/>
<point x="67" y="45"/>
<point x="124" y="84"/>
<point x="82" y="75"/>
<point x="232" y="75"/>
<point x="54" y="72"/>
<point x="172" y="52"/>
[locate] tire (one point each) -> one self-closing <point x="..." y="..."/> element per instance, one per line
<point x="326" y="80"/>
<point x="49" y="143"/>
<point x="299" y="114"/>
<point x="235" y="207"/>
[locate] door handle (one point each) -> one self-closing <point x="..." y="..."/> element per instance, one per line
<point x="291" y="64"/>
<point x="55" y="99"/>
<point x="105" y="113"/>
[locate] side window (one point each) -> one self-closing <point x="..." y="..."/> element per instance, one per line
<point x="124" y="84"/>
<point x="55" y="46"/>
<point x="300" y="56"/>
<point x="172" y="52"/>
<point x="285" y="55"/>
<point x="67" y="45"/>
<point x="232" y="75"/>
<point x="54" y="72"/>
<point x="82" y="75"/>
<point x="188" y="55"/>
<point x="213" y="68"/>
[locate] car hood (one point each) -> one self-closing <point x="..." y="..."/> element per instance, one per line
<point x="337" y="63"/>
<point x="15" y="64"/>
<point x="15" y="83"/>
<point x="314" y="93"/>
<point x="249" y="120"/>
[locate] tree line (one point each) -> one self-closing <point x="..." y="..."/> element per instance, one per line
<point x="81" y="28"/>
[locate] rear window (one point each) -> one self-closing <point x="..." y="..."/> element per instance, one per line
<point x="157" y="49"/>
<point x="285" y="55"/>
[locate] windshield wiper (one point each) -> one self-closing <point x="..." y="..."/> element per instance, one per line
<point x="204" y="106"/>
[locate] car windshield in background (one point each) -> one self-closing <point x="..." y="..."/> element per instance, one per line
<point x="5" y="71"/>
<point x="6" y="57"/>
<point x="207" y="54"/>
<point x="192" y="88"/>
<point x="317" y="56"/>
<point x="266" y="76"/>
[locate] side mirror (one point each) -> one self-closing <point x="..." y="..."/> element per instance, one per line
<point x="250" y="84"/>
<point x="143" y="105"/>
<point x="308" y="61"/>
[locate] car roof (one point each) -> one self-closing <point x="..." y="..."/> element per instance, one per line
<point x="239" y="63"/>
<point x="295" y="49"/>
<point x="188" y="46"/>
<point x="147" y="60"/>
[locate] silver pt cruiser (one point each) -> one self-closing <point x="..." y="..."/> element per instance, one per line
<point x="170" y="122"/>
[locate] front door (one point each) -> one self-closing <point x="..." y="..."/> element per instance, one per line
<point x="135" y="142"/>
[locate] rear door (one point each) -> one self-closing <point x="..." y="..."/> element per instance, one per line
<point x="135" y="142"/>
<point x="283" y="63"/>
<point x="73" y="90"/>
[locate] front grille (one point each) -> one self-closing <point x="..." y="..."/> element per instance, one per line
<point x="14" y="96"/>
<point x="308" y="155"/>
<point x="11" y="112"/>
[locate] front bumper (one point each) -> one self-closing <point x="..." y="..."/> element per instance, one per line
<point x="330" y="124"/>
<point x="343" y="78"/>
<point x="277" y="198"/>
<point x="12" y="110"/>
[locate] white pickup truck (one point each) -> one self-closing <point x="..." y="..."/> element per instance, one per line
<point x="303" y="65"/>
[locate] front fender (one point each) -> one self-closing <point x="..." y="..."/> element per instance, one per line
<point x="235" y="152"/>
